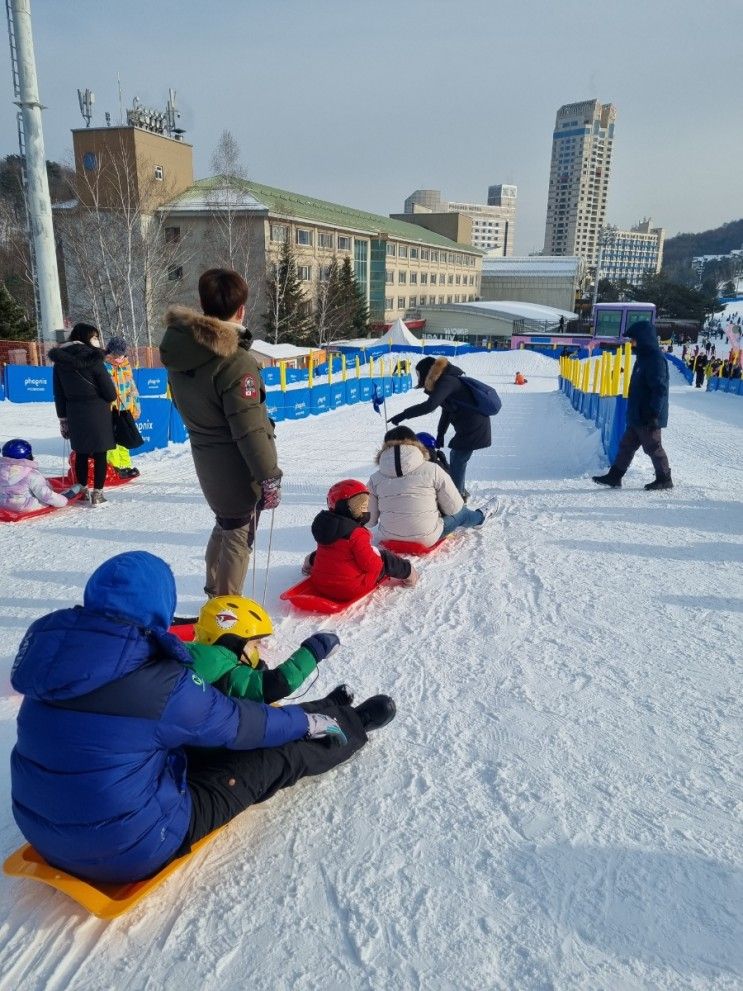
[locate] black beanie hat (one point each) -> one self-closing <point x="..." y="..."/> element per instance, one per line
<point x="423" y="368"/>
<point x="399" y="433"/>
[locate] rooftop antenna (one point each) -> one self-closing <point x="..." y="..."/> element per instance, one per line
<point x="171" y="117"/>
<point x="86" y="99"/>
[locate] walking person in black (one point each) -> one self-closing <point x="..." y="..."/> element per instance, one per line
<point x="700" y="363"/>
<point x="83" y="393"/>
<point x="647" y="411"/>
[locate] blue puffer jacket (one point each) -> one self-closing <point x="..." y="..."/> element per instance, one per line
<point x="648" y="387"/>
<point x="98" y="773"/>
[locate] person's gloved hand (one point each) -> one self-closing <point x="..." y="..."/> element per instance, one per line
<point x="396" y="419"/>
<point x="64" y="428"/>
<point x="325" y="727"/>
<point x="271" y="497"/>
<point x="321" y="645"/>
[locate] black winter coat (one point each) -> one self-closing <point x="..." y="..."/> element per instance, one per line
<point x="83" y="393"/>
<point x="447" y="392"/>
<point x="648" y="387"/>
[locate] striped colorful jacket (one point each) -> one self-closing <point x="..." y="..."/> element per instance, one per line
<point x="126" y="388"/>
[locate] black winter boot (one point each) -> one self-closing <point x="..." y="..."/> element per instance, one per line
<point x="661" y="482"/>
<point x="376" y="712"/>
<point x="342" y="695"/>
<point x="612" y="478"/>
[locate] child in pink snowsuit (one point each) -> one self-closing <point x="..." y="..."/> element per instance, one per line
<point x="22" y="486"/>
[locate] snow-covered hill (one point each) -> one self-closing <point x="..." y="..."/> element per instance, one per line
<point x="558" y="803"/>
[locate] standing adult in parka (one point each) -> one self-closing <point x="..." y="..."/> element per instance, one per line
<point x="216" y="385"/>
<point x="647" y="411"/>
<point x="83" y="393"/>
<point x="441" y="381"/>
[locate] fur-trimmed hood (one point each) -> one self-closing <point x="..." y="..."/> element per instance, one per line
<point x="192" y="339"/>
<point x="439" y="367"/>
<point x="401" y="457"/>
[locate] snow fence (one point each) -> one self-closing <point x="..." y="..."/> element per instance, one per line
<point x="597" y="388"/>
<point x="715" y="384"/>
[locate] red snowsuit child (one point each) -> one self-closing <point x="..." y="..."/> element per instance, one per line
<point x="345" y="565"/>
<point x="520" y="379"/>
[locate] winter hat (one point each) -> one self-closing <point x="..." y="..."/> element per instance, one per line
<point x="423" y="368"/>
<point x="116" y="347"/>
<point x="135" y="585"/>
<point x="399" y="434"/>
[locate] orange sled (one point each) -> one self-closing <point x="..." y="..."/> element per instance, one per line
<point x="304" y="597"/>
<point x="107" y="901"/>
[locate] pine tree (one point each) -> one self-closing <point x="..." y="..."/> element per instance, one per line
<point x="354" y="306"/>
<point x="287" y="318"/>
<point x="14" y="324"/>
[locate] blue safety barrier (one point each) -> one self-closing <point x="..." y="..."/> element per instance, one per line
<point x="320" y="399"/>
<point x="609" y="413"/>
<point x="716" y="384"/>
<point x="297" y="404"/>
<point x="178" y="433"/>
<point x="275" y="405"/>
<point x="365" y="389"/>
<point x="682" y="367"/>
<point x="337" y="394"/>
<point x="271" y="376"/>
<point x="353" y="392"/>
<point x="29" y="383"/>
<point x="153" y="424"/>
<point x="151" y="381"/>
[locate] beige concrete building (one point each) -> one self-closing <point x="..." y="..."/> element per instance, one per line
<point x="628" y="255"/>
<point x="492" y="323"/>
<point x="582" y="144"/>
<point x="548" y="281"/>
<point x="493" y="224"/>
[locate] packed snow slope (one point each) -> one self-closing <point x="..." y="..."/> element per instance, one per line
<point x="558" y="803"/>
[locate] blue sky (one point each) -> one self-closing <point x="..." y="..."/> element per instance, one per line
<point x="363" y="102"/>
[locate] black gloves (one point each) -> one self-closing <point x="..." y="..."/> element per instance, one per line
<point x="396" y="419"/>
<point x="321" y="645"/>
<point x="232" y="642"/>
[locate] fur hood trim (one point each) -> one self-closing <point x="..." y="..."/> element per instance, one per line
<point x="218" y="336"/>
<point x="389" y="444"/>
<point x="435" y="372"/>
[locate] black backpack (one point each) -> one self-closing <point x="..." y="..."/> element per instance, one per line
<point x="487" y="402"/>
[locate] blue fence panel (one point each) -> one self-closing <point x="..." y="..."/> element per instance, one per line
<point x="297" y="404"/>
<point x="294" y="375"/>
<point x="29" y="384"/>
<point x="271" y="376"/>
<point x="365" y="389"/>
<point x="2" y="385"/>
<point x="678" y="363"/>
<point x="153" y="424"/>
<point x="320" y="396"/>
<point x="740" y="386"/>
<point x="177" y="433"/>
<point x="151" y="381"/>
<point x="275" y="405"/>
<point x="337" y="395"/>
<point x="713" y="384"/>
<point x="353" y="392"/>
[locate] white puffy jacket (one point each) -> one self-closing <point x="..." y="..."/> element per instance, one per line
<point x="409" y="494"/>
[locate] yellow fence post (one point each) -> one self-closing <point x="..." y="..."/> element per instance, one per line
<point x="329" y="361"/>
<point x="343" y="367"/>
<point x="617" y="372"/>
<point x="627" y="368"/>
<point x="310" y="373"/>
<point x="596" y="385"/>
<point x="586" y="373"/>
<point x="358" y="367"/>
<point x="371" y="367"/>
<point x="282" y="375"/>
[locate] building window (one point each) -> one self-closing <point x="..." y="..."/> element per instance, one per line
<point x="388" y="302"/>
<point x="442" y="279"/>
<point x="441" y="299"/>
<point x="413" y="301"/>
<point x="425" y="254"/>
<point x="434" y="256"/>
<point x="304" y="237"/>
<point x="414" y="253"/>
<point x="401" y="302"/>
<point x="448" y="299"/>
<point x="279" y="232"/>
<point x="172" y="235"/>
<point x="389" y="277"/>
<point x="402" y="278"/>
<point x="360" y="261"/>
<point x="325" y="273"/>
<point x="424" y="278"/>
<point x="421" y="300"/>
<point x="90" y="161"/>
<point x="159" y="173"/>
<point x="175" y="273"/>
<point x="456" y="298"/>
<point x="458" y="280"/>
<point x="325" y="240"/>
<point x="304" y="273"/>
<point x="451" y="280"/>
<point x="391" y="250"/>
<point x="402" y="251"/>
<point x="344" y="243"/>
<point x="413" y="278"/>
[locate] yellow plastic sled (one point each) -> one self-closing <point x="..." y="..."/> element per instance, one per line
<point x="107" y="901"/>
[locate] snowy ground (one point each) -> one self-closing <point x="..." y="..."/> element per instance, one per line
<point x="558" y="804"/>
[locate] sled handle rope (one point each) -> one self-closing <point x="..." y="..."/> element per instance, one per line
<point x="268" y="558"/>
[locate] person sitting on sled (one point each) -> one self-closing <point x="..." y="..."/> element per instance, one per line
<point x="413" y="499"/>
<point x="225" y="651"/>
<point x="435" y="454"/>
<point x="520" y="379"/>
<point x="345" y="565"/>
<point x="110" y="780"/>
<point x="23" y="488"/>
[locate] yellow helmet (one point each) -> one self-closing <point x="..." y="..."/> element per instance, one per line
<point x="232" y="614"/>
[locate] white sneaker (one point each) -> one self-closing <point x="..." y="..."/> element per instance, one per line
<point x="492" y="508"/>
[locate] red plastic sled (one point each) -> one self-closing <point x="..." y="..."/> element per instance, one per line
<point x="113" y="478"/>
<point x="184" y="631"/>
<point x="304" y="598"/>
<point x="59" y="485"/>
<point x="409" y="546"/>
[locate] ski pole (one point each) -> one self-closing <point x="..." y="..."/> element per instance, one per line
<point x="268" y="558"/>
<point x="255" y="546"/>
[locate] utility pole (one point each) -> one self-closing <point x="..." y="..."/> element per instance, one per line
<point x="31" y="138"/>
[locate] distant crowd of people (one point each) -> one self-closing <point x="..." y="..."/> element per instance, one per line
<point x="704" y="364"/>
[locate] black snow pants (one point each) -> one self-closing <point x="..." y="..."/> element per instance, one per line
<point x="650" y="441"/>
<point x="223" y="783"/>
<point x="394" y="566"/>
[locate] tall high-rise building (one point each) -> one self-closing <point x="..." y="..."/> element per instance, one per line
<point x="582" y="144"/>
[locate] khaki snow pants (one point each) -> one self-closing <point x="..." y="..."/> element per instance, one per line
<point x="228" y="555"/>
